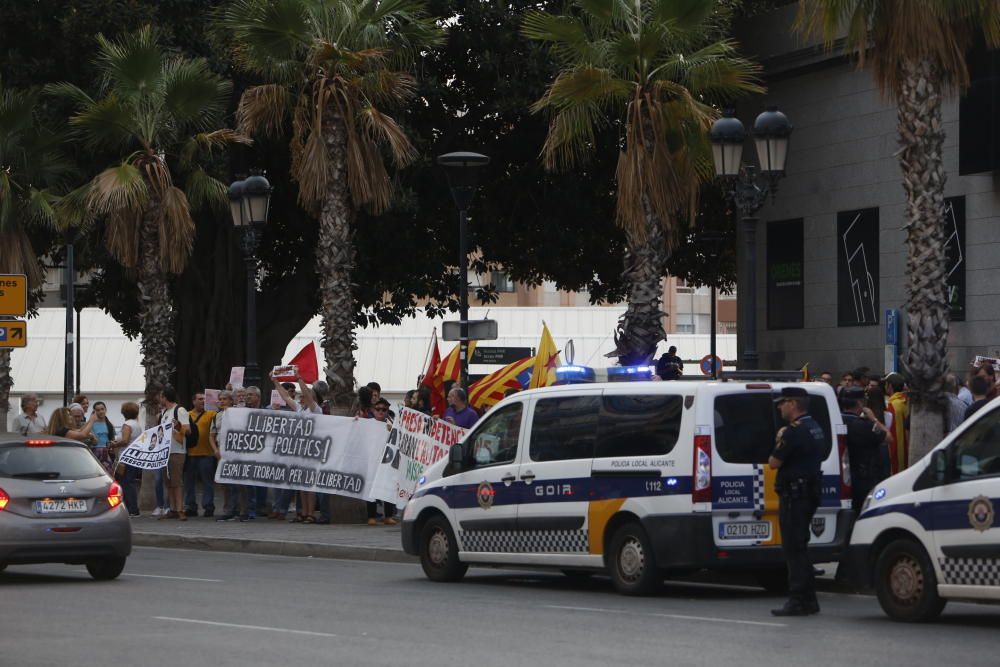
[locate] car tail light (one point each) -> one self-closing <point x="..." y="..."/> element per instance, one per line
<point x="39" y="443"/>
<point x="115" y="495"/>
<point x="758" y="385"/>
<point x="701" y="490"/>
<point x="845" y="467"/>
<point x="4" y="499"/>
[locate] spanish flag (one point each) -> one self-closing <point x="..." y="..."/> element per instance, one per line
<point x="543" y="372"/>
<point x="491" y="389"/>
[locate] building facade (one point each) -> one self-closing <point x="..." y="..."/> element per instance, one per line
<point x="831" y="245"/>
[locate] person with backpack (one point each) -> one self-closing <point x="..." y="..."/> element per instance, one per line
<point x="201" y="462"/>
<point x="183" y="435"/>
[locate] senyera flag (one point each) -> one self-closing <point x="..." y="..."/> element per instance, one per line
<point x="491" y="389"/>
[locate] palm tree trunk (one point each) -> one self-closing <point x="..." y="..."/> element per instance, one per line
<point x="156" y="315"/>
<point x="641" y="325"/>
<point x="335" y="267"/>
<point x="921" y="139"/>
<point x="6" y="383"/>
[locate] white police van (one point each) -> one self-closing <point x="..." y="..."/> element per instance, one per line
<point x="929" y="534"/>
<point x="634" y="479"/>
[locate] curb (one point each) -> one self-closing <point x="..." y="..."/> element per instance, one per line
<point x="272" y="547"/>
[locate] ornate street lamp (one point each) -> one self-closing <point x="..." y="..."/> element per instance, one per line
<point x="249" y="205"/>
<point x="462" y="169"/>
<point x="748" y="190"/>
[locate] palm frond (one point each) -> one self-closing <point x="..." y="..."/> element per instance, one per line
<point x="204" y="191"/>
<point x="177" y="230"/>
<point x="132" y="65"/>
<point x="380" y="128"/>
<point x="270" y="36"/>
<point x="107" y="123"/>
<point x="17" y="256"/>
<point x="586" y="84"/>
<point x="263" y="109"/>
<point x="73" y="208"/>
<point x="683" y="14"/>
<point x="570" y="139"/>
<point x="310" y="159"/>
<point x="121" y="235"/>
<point x="70" y="92"/>
<point x="40" y="208"/>
<point x="209" y="142"/>
<point x="118" y="188"/>
<point x="566" y="37"/>
<point x="193" y="94"/>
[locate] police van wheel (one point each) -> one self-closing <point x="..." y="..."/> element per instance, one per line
<point x="906" y="584"/>
<point x="439" y="552"/>
<point x="631" y="562"/>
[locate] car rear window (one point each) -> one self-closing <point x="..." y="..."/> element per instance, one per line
<point x="747" y="424"/>
<point x="48" y="462"/>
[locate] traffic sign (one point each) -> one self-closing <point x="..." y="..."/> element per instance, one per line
<point x="13" y="295"/>
<point x="13" y="333"/>
<point x="477" y="330"/>
<point x="705" y="365"/>
<point x="500" y="355"/>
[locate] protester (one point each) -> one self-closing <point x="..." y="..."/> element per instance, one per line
<point x="306" y="404"/>
<point x="364" y="403"/>
<point x="178" y="416"/>
<point x="232" y="493"/>
<point x="410" y="399"/>
<point x="83" y="402"/>
<point x="956" y="407"/>
<point x="199" y="466"/>
<point x="980" y="387"/>
<point x="827" y="377"/>
<point x="899" y="410"/>
<point x="104" y="433"/>
<point x="459" y="413"/>
<point x="29" y="422"/>
<point x="424" y="401"/>
<point x="64" y="425"/>
<point x="963" y="391"/>
<point x="381" y="414"/>
<point x="256" y="495"/>
<point x="79" y="419"/>
<point x="987" y="371"/>
<point x="875" y="406"/>
<point x="131" y="476"/>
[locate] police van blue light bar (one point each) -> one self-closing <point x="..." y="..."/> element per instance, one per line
<point x="630" y="373"/>
<point x="575" y="374"/>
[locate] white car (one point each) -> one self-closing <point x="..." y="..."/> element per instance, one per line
<point x="929" y="534"/>
<point x="634" y="479"/>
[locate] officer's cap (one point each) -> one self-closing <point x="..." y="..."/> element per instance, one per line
<point x="788" y="393"/>
<point x="852" y="394"/>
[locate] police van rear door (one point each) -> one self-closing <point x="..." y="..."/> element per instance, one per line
<point x="744" y="503"/>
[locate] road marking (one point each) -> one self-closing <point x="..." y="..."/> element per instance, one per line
<point x="681" y="617"/>
<point x="712" y="619"/>
<point x="161" y="576"/>
<point x="240" y="626"/>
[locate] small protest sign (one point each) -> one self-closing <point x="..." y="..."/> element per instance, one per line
<point x="286" y="373"/>
<point x="212" y="399"/>
<point x="236" y="377"/>
<point x="276" y="400"/>
<point x="151" y="450"/>
<point x="299" y="451"/>
<point x="415" y="442"/>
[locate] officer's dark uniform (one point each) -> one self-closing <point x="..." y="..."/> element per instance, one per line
<point x="669" y="367"/>
<point x="864" y="447"/>
<point x="799" y="447"/>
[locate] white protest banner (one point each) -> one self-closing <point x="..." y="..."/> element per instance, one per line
<point x="299" y="451"/>
<point x="415" y="442"/>
<point x="236" y="377"/>
<point x="212" y="399"/>
<point x="151" y="450"/>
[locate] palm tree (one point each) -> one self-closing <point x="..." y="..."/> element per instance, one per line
<point x="653" y="69"/>
<point x="32" y="172"/>
<point x="159" y="116"/>
<point x="917" y="51"/>
<point x="332" y="68"/>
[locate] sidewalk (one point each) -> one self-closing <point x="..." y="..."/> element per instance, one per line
<point x="279" y="538"/>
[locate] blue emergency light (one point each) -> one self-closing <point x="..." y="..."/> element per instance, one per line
<point x="575" y="375"/>
<point x="630" y="373"/>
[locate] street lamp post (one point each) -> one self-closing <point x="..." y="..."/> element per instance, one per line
<point x="249" y="205"/>
<point x="748" y="190"/>
<point x="462" y="169"/>
<point x="712" y="240"/>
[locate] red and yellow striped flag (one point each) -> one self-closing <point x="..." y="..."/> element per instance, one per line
<point x="491" y="389"/>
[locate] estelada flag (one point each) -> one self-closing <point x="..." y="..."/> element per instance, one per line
<point x="306" y="361"/>
<point x="491" y="389"/>
<point x="431" y="381"/>
<point x="543" y="373"/>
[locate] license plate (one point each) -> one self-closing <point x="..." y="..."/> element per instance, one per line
<point x="745" y="530"/>
<point x="60" y="506"/>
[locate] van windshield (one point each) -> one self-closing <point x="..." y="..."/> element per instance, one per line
<point x="747" y="424"/>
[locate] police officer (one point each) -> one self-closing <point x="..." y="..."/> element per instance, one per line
<point x="670" y="366"/>
<point x="865" y="438"/>
<point x="797" y="456"/>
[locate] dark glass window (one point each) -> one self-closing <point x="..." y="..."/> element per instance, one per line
<point x="978" y="108"/>
<point x="977" y="450"/>
<point x="564" y="428"/>
<point x="495" y="440"/>
<point x="48" y="462"/>
<point x="746" y="426"/>
<point x="639" y="425"/>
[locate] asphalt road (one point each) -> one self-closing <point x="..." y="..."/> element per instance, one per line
<point x="191" y="608"/>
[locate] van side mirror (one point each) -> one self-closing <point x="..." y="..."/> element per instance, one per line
<point x="939" y="466"/>
<point x="455" y="456"/>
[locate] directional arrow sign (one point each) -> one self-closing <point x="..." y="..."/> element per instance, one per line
<point x="13" y="333"/>
<point x="13" y="295"/>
